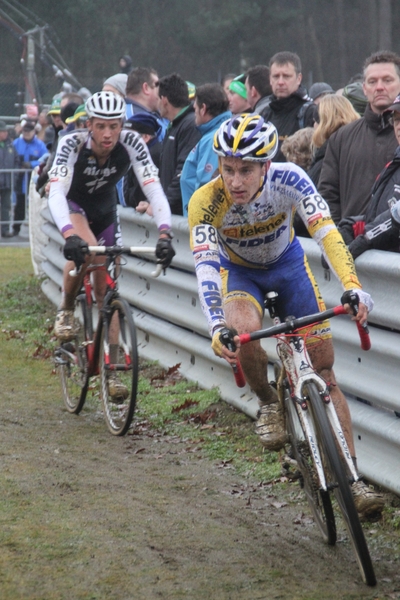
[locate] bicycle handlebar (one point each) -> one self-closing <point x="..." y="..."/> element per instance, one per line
<point x="291" y="324"/>
<point x="119" y="250"/>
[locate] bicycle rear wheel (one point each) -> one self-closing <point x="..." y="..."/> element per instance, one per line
<point x="72" y="364"/>
<point x="339" y="482"/>
<point x="118" y="359"/>
<point x="318" y="500"/>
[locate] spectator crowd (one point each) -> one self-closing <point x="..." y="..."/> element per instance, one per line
<point x="347" y="141"/>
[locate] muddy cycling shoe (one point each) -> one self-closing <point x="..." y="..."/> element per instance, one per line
<point x="270" y="426"/>
<point x="117" y="390"/>
<point x="368" y="502"/>
<point x="65" y="327"/>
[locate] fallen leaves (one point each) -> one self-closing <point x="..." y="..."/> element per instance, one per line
<point x="186" y="404"/>
<point x="166" y="377"/>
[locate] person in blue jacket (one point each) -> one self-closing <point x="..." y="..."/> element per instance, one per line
<point x="30" y="150"/>
<point x="211" y="109"/>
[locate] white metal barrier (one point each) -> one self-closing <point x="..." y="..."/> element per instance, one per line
<point x="172" y="329"/>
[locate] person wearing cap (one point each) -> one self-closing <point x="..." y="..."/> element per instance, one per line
<point x="79" y="117"/>
<point x="8" y="160"/>
<point x="237" y="96"/>
<point x="148" y="127"/>
<point x="125" y="64"/>
<point x="375" y="229"/>
<point x="30" y="150"/>
<point x="355" y="94"/>
<point x="318" y="90"/>
<point x="357" y="152"/>
<point x="117" y="84"/>
<point x="54" y="113"/>
<point x="66" y="107"/>
<point x="210" y="109"/>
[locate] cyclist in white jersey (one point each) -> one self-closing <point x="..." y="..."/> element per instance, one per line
<point x="83" y="196"/>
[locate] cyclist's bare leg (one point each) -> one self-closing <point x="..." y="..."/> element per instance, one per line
<point x="322" y="358"/>
<point x="245" y="318"/>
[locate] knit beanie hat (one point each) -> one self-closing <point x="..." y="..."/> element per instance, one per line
<point x="118" y="82"/>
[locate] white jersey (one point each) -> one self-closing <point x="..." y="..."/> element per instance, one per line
<point x="77" y="176"/>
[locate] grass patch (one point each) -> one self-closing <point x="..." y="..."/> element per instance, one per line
<point x="166" y="401"/>
<point x="178" y="407"/>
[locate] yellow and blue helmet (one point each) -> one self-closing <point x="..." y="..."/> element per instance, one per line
<point x="248" y="137"/>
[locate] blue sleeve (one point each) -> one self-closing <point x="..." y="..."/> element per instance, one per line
<point x="207" y="164"/>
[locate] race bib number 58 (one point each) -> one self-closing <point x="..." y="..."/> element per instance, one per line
<point x="204" y="238"/>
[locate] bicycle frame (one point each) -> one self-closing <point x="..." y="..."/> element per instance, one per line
<point x="93" y="344"/>
<point x="293" y="353"/>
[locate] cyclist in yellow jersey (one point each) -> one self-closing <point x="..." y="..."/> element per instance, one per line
<point x="244" y="245"/>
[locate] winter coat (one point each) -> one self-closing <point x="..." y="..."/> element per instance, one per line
<point x="314" y="172"/>
<point x="181" y="137"/>
<point x="201" y="161"/>
<point x="289" y="115"/>
<point x="29" y="153"/>
<point x="8" y="160"/>
<point x="355" y="155"/>
<point x="374" y="229"/>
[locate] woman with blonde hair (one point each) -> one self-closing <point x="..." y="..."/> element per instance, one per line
<point x="334" y="112"/>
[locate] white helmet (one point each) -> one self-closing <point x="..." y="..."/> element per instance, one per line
<point x="105" y="105"/>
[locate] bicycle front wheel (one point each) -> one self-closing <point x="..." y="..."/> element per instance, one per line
<point x="339" y="482"/>
<point x="319" y="500"/>
<point x="119" y="371"/>
<point x="72" y="364"/>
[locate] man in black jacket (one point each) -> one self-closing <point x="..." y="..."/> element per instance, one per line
<point x="357" y="152"/>
<point x="375" y="229"/>
<point x="289" y="108"/>
<point x="182" y="135"/>
<point x="8" y="160"/>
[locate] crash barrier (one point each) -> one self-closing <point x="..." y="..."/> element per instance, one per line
<point x="13" y="187"/>
<point x="172" y="329"/>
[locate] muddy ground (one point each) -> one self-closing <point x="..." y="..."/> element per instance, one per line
<point x="86" y="515"/>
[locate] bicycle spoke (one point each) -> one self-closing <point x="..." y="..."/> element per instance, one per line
<point x="119" y="368"/>
<point x="71" y="364"/>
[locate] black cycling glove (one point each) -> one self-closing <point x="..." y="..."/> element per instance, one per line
<point x="75" y="249"/>
<point x="165" y="252"/>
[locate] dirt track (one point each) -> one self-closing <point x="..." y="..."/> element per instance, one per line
<point x="89" y="516"/>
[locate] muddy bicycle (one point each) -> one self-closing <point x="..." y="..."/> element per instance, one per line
<point x="317" y="441"/>
<point x="109" y="350"/>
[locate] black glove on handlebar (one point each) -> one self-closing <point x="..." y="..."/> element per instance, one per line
<point x="165" y="252"/>
<point x="351" y="298"/>
<point x="226" y="338"/>
<point x="75" y="249"/>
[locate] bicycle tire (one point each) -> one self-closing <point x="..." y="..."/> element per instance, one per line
<point x="339" y="481"/>
<point x="119" y="416"/>
<point x="318" y="500"/>
<point x="72" y="364"/>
